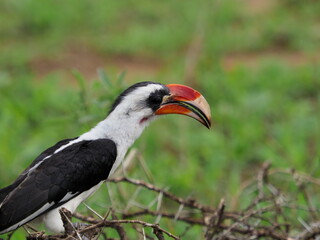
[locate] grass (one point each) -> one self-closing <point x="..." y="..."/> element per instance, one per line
<point x="265" y="106"/>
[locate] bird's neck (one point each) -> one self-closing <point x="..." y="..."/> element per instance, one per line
<point x="122" y="129"/>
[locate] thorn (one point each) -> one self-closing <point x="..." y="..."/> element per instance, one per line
<point x="97" y="214"/>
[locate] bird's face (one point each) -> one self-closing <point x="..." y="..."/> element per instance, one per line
<point x="146" y="100"/>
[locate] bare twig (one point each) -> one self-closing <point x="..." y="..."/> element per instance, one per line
<point x="66" y="219"/>
<point x="311" y="233"/>
<point x="112" y="223"/>
<point x="188" y="220"/>
<point x="187" y="202"/>
<point x="214" y="222"/>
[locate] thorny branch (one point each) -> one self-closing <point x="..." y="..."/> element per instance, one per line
<point x="187" y="202"/>
<point x="284" y="206"/>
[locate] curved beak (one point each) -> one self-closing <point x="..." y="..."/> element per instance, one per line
<point x="186" y="101"/>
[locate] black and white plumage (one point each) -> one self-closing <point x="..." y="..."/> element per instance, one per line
<point x="70" y="171"/>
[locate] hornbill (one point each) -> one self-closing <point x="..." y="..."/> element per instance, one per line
<point x="67" y="173"/>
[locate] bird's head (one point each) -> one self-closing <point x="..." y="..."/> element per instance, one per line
<point x="144" y="101"/>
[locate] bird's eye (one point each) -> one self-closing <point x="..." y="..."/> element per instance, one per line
<point x="155" y="99"/>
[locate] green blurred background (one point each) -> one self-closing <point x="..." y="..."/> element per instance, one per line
<point x="257" y="62"/>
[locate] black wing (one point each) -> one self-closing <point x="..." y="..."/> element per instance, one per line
<point x="5" y="191"/>
<point x="71" y="171"/>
